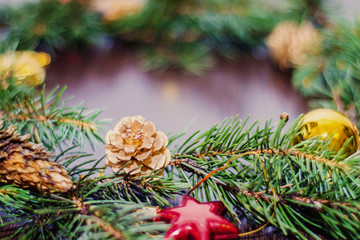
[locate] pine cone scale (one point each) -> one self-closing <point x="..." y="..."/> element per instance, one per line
<point x="143" y="155"/>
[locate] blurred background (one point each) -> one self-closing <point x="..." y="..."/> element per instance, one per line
<point x="111" y="77"/>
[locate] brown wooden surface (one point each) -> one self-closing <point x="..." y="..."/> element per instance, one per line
<point x="111" y="79"/>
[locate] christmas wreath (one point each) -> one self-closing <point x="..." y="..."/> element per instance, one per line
<point x="302" y="178"/>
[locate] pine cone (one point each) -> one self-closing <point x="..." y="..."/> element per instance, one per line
<point x="290" y="44"/>
<point x="26" y="164"/>
<point x="138" y="142"/>
<point x="112" y="10"/>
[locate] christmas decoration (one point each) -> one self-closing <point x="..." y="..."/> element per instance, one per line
<point x="136" y="146"/>
<point x="197" y="221"/>
<point x="112" y="10"/>
<point x="26" y="164"/>
<point x="328" y="123"/>
<point x="24" y="67"/>
<point x="303" y="193"/>
<point x="290" y="44"/>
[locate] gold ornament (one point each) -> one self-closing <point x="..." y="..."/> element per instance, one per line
<point x="112" y="10"/>
<point x="328" y="123"/>
<point x="290" y="44"/>
<point x="25" y="67"/>
<point x="26" y="164"/>
<point x="137" y="147"/>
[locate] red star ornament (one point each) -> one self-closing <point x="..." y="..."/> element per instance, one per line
<point x="197" y="221"/>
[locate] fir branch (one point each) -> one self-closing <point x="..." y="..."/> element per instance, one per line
<point x="32" y="116"/>
<point x="320" y="203"/>
<point x="183" y="34"/>
<point x="84" y="210"/>
<point x="315" y="10"/>
<point x="107" y="228"/>
<point x="53" y="24"/>
<point x="289" y="197"/>
<point x="150" y="189"/>
<point x="305" y="172"/>
<point x="50" y="122"/>
<point x="82" y="124"/>
<point x="332" y="79"/>
<point x="178" y="160"/>
<point x="83" y="213"/>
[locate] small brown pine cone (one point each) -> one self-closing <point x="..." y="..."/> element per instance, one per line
<point x="138" y="145"/>
<point x="291" y="45"/>
<point x="26" y="164"/>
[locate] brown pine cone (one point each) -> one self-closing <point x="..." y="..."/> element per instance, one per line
<point x="26" y="164"/>
<point x="291" y="45"/>
<point x="138" y="145"/>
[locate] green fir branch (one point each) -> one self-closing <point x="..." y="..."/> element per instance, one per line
<point x="50" y="121"/>
<point x="147" y="189"/>
<point x="263" y="162"/>
<point x="77" y="215"/>
<point x="300" y="189"/>
<point x="184" y="34"/>
<point x="332" y="79"/>
<point x="53" y="23"/>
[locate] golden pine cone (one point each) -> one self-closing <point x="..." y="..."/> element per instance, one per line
<point x="138" y="145"/>
<point x="26" y="164"/>
<point x="290" y="44"/>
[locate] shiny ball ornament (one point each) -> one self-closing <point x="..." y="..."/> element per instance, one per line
<point x="24" y="67"/>
<point x="328" y="123"/>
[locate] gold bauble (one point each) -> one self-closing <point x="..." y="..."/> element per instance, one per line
<point x="25" y="67"/>
<point x="328" y="123"/>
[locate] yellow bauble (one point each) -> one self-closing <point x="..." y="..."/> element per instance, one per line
<point x="25" y="67"/>
<point x="327" y="123"/>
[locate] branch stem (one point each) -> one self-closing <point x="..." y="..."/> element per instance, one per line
<point x="84" y="210"/>
<point x="178" y="160"/>
<point x="43" y="118"/>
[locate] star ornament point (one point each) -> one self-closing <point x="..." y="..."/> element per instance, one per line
<point x="197" y="221"/>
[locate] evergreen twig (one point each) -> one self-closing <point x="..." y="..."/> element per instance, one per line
<point x="49" y="121"/>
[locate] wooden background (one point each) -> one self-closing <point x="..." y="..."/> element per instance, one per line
<point x="112" y="79"/>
